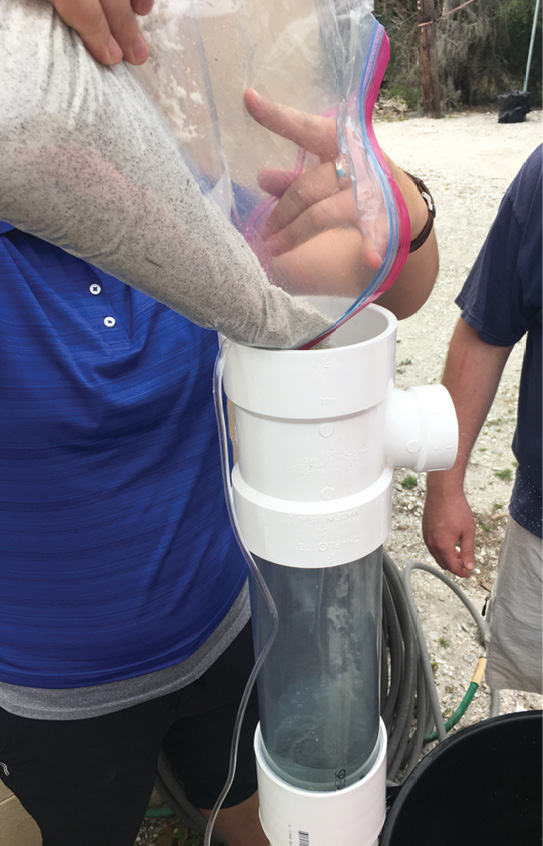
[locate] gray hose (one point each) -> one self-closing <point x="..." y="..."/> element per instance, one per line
<point x="410" y="706"/>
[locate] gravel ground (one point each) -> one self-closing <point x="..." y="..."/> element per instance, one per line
<point x="467" y="160"/>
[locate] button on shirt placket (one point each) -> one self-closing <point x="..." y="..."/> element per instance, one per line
<point x="106" y="300"/>
<point x="96" y="289"/>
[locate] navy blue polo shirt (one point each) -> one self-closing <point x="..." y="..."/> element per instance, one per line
<point x="116" y="554"/>
<point x="502" y="300"/>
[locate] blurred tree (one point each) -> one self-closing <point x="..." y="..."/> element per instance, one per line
<point x="482" y="49"/>
<point x="429" y="74"/>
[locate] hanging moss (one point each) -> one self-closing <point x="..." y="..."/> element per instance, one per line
<point x="482" y="50"/>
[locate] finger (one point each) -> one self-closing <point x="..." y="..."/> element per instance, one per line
<point x="314" y="133"/>
<point x="442" y="545"/>
<point x="331" y="264"/>
<point x="459" y="570"/>
<point x="336" y="212"/>
<point x="318" y="217"/>
<point x="450" y="558"/>
<point x="457" y="566"/>
<point x="142" y="7"/>
<point x="108" y="28"/>
<point x="123" y="23"/>
<point x="467" y="551"/>
<point x="89" y="21"/>
<point x="275" y="181"/>
<point x="311" y="187"/>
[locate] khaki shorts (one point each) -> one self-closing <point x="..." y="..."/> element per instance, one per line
<point x="515" y="614"/>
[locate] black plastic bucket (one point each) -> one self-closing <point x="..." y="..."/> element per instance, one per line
<point x="480" y="786"/>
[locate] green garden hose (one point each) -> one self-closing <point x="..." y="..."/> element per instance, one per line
<point x="464" y="705"/>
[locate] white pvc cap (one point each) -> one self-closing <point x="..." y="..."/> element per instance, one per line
<point x="353" y="816"/>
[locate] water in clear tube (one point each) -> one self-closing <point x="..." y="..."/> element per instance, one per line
<point x="319" y="687"/>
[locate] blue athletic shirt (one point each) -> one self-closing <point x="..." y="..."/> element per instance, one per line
<point x="116" y="554"/>
<point x="502" y="300"/>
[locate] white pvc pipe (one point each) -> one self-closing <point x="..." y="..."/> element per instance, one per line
<point x="319" y="433"/>
<point x="350" y="817"/>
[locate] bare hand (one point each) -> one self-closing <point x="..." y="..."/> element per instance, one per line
<point x="317" y="207"/>
<point x="448" y="529"/>
<point x="314" y="203"/>
<point x="313" y="133"/>
<point x="108" y="28"/>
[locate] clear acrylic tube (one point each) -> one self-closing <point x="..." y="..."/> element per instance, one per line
<point x="318" y="689"/>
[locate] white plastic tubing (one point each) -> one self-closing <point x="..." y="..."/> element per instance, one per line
<point x="319" y="433"/>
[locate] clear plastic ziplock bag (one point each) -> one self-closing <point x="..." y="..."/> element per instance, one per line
<point x="178" y="187"/>
<point x="307" y="185"/>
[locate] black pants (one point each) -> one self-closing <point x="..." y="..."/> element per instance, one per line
<point x="88" y="782"/>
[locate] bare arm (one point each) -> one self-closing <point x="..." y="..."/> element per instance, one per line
<point x="418" y="275"/>
<point x="472" y="374"/>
